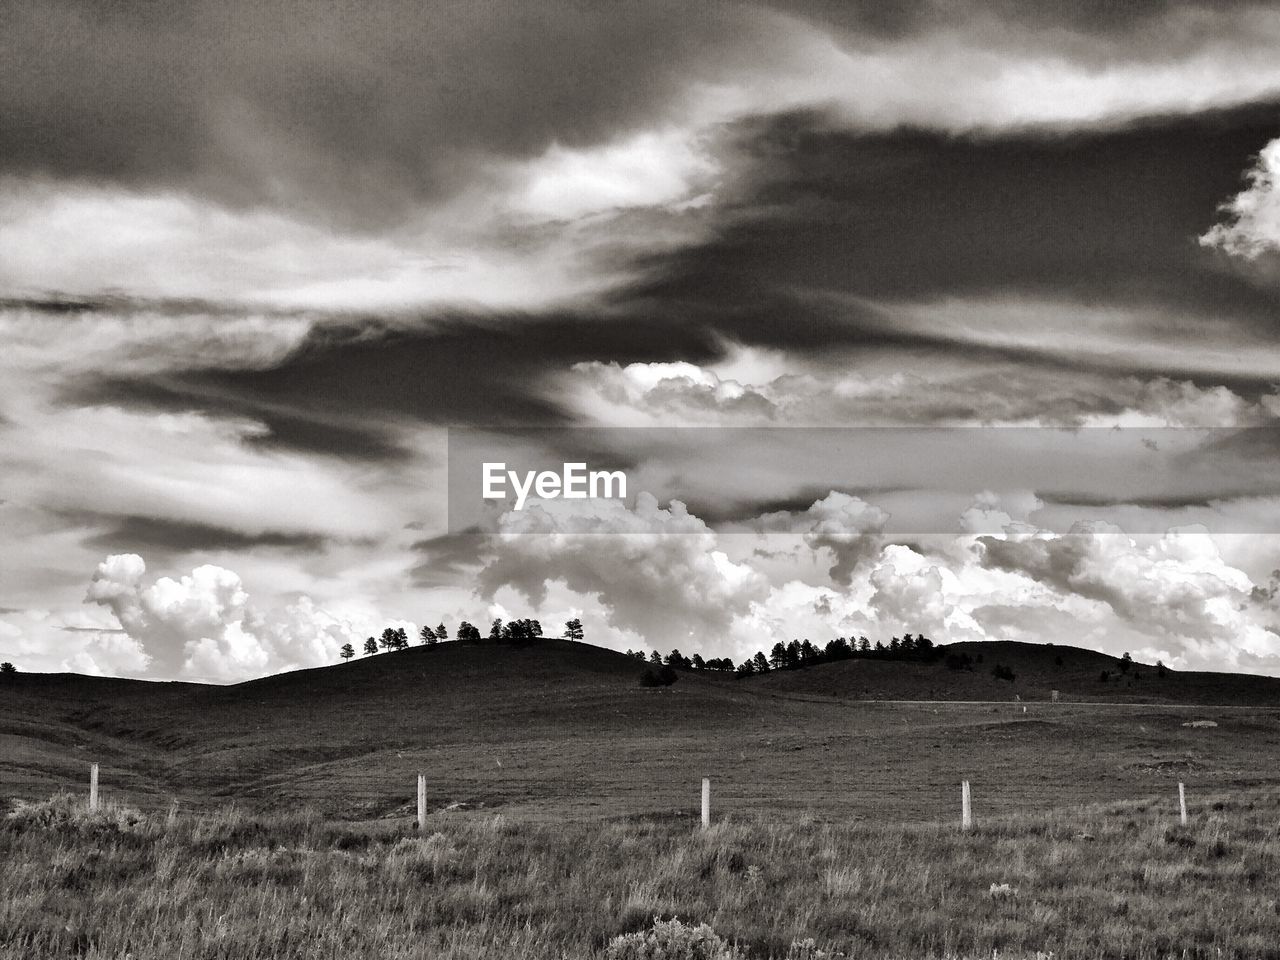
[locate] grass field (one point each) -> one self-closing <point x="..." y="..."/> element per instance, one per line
<point x="277" y="815"/>
<point x="1114" y="881"/>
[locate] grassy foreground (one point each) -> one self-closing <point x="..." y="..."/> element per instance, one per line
<point x="1120" y="881"/>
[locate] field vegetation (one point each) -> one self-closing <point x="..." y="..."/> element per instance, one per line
<point x="1121" y="880"/>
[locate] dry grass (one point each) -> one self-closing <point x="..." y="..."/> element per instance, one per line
<point x="1121" y="881"/>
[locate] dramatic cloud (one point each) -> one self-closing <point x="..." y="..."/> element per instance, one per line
<point x="657" y="571"/>
<point x="846" y="389"/>
<point x="1252" y="227"/>
<point x="241" y="304"/>
<point x="204" y="625"/>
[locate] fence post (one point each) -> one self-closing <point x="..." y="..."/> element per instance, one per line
<point x="1182" y="802"/>
<point x="706" y="802"/>
<point x="422" y="802"/>
<point x="93" y="788"/>
<point x="966" y="810"/>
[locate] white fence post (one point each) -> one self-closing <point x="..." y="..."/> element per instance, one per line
<point x="93" y="788"/>
<point x="706" y="802"/>
<point x="1182" y="802"/>
<point x="966" y="810"/>
<point x="422" y="802"/>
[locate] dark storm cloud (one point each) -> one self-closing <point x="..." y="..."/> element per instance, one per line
<point x="138" y="534"/>
<point x="483" y="372"/>
<point x="827" y="226"/>
<point x="1087" y="17"/>
<point x="345" y="105"/>
<point x="445" y="558"/>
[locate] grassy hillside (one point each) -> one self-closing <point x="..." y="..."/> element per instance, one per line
<point x="563" y="730"/>
<point x="1037" y="672"/>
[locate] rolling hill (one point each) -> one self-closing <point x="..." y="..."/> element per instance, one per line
<point x="1038" y="671"/>
<point x="563" y="729"/>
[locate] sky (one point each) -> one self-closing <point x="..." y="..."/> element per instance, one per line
<point x="938" y="317"/>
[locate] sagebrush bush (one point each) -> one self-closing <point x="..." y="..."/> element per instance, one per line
<point x="671" y="940"/>
<point x="64" y="811"/>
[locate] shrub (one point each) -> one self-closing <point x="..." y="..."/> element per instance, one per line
<point x="671" y="940"/>
<point x="655" y="676"/>
<point x="1001" y="672"/>
<point x="63" y="811"/>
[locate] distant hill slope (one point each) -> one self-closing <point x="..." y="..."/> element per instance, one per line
<point x="564" y="729"/>
<point x="1038" y="670"/>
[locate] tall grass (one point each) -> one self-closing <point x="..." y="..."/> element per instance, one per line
<point x="1122" y="881"/>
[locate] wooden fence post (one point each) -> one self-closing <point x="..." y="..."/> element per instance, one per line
<point x="422" y="802"/>
<point x="93" y="788"/>
<point x="706" y="802"/>
<point x="966" y="810"/>
<point x="1182" y="802"/>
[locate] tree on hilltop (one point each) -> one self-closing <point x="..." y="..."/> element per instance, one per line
<point x="428" y="637"/>
<point x="573" y="630"/>
<point x="347" y="651"/>
<point x="371" y="646"/>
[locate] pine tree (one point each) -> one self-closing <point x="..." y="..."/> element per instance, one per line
<point x="371" y="646"/>
<point x="573" y="630"/>
<point x="442" y="633"/>
<point x="428" y="636"/>
<point x="347" y="651"/>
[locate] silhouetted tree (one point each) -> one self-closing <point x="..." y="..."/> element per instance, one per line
<point x="442" y="633"/>
<point x="429" y="637"/>
<point x="676" y="659"/>
<point x="573" y="630"/>
<point x="808" y="653"/>
<point x="778" y="656"/>
<point x="864" y="646"/>
<point x="697" y="662"/>
<point x="521" y="633"/>
<point x="468" y="633"/>
<point x="655" y="658"/>
<point x="495" y="632"/>
<point x="837" y="649"/>
<point x="761" y="662"/>
<point x="1126" y="662"/>
<point x="371" y="645"/>
<point x="347" y="651"/>
<point x="746" y="669"/>
<point x="1161" y="669"/>
<point x="394" y="638"/>
<point x="8" y="669"/>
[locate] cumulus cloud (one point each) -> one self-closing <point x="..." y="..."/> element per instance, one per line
<point x="1176" y="587"/>
<point x="849" y="527"/>
<point x="758" y="388"/>
<point x="656" y="570"/>
<point x="1252" y="224"/>
<point x="203" y="625"/>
